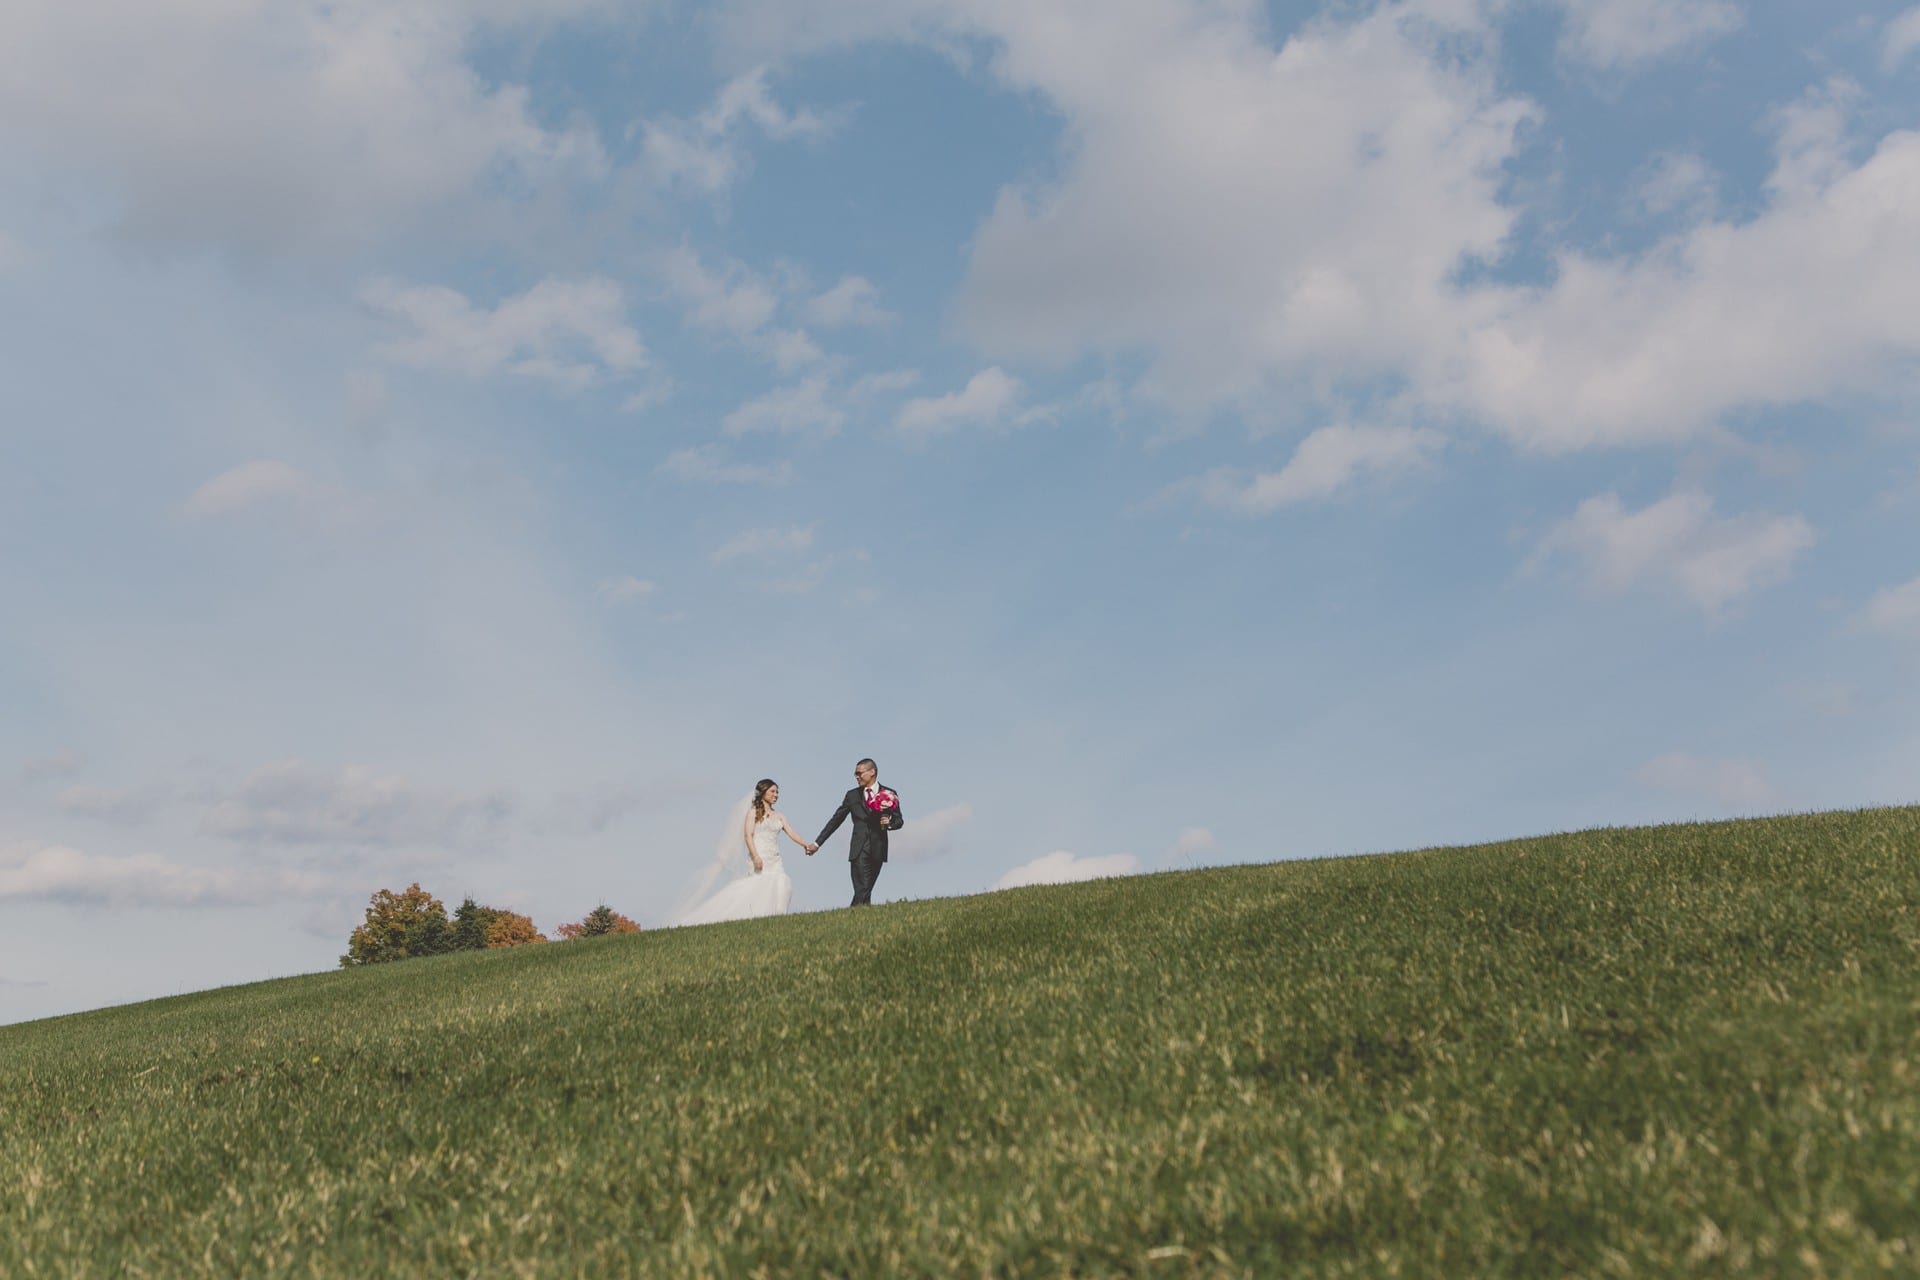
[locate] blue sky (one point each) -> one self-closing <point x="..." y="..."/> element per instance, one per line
<point x="470" y="443"/>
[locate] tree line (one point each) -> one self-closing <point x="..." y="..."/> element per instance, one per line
<point x="412" y="923"/>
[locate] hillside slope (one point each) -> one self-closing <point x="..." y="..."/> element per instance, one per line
<point x="1622" y="1052"/>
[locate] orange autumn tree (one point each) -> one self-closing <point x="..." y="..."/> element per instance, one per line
<point x="399" y="926"/>
<point x="600" y="921"/>
<point x="511" y="929"/>
<point x="478" y="928"/>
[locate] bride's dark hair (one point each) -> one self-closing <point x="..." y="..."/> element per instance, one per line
<point x="760" y="797"/>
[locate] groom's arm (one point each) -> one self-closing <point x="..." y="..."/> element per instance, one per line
<point x="833" y="823"/>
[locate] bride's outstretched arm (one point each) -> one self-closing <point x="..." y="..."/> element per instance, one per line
<point x="795" y="835"/>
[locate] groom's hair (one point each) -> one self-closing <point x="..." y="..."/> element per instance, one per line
<point x="868" y="762"/>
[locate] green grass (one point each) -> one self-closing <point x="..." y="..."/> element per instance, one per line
<point x="1689" y="1049"/>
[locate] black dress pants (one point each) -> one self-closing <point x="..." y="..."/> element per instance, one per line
<point x="866" y="869"/>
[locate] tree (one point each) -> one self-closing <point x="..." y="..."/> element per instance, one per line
<point x="477" y="928"/>
<point x="399" y="926"/>
<point x="511" y="929"/>
<point x="602" y="920"/>
<point x="470" y="925"/>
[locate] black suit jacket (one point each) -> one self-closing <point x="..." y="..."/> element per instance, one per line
<point x="869" y="828"/>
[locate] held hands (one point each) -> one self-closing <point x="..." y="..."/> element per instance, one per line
<point x="811" y="847"/>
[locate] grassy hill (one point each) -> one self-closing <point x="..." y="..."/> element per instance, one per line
<point x="1626" y="1052"/>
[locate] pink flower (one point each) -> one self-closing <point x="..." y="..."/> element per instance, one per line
<point x="884" y="801"/>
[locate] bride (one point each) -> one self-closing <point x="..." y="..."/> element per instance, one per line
<point x="769" y="889"/>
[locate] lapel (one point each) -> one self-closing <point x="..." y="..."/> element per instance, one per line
<point x="857" y="801"/>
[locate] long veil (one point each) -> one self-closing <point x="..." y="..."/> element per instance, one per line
<point x="729" y="855"/>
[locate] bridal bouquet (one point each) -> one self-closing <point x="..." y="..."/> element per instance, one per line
<point x="884" y="804"/>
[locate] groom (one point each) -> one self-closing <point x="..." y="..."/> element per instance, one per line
<point x="867" y="848"/>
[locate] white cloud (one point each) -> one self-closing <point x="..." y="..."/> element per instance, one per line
<point x="708" y="463"/>
<point x="1896" y="609"/>
<point x="736" y="302"/>
<point x="1188" y="848"/>
<point x="1678" y="542"/>
<point x="1828" y="700"/>
<point x="108" y="804"/>
<point x="705" y="153"/>
<point x="367" y="398"/>
<point x="657" y="390"/>
<point x="1811" y="147"/>
<point x="607" y="804"/>
<point x="815" y="573"/>
<point x="1902" y="38"/>
<point x="625" y="589"/>
<point x="1736" y="786"/>
<point x="880" y="384"/>
<point x="264" y="127"/>
<point x="1615" y="34"/>
<point x="760" y="542"/>
<point x="601" y="804"/>
<point x="248" y="485"/>
<point x="59" y="764"/>
<point x="852" y="302"/>
<point x="1326" y="462"/>
<point x="1198" y="222"/>
<point x="1195" y="225"/>
<point x="55" y="873"/>
<point x="990" y="399"/>
<point x="932" y="835"/>
<point x="815" y="406"/>
<point x="570" y="332"/>
<point x="1809" y="297"/>
<point x="1681" y="183"/>
<point x="807" y="407"/>
<point x="1194" y="840"/>
<point x="791" y="349"/>
<point x="745" y="97"/>
<point x="1064" y="868"/>
<point x="676" y="154"/>
<point x="292" y="803"/>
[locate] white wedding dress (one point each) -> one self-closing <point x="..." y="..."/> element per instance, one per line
<point x="765" y="892"/>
